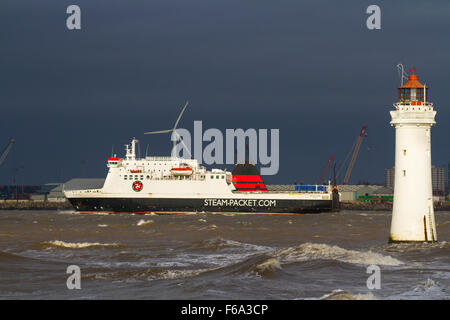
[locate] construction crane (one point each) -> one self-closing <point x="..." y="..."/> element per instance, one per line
<point x="325" y="170"/>
<point x="6" y="151"/>
<point x="357" y="145"/>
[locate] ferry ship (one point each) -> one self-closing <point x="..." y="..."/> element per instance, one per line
<point x="179" y="185"/>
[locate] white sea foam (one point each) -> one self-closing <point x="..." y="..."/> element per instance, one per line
<point x="68" y="212"/>
<point x="78" y="245"/>
<point x="346" y="295"/>
<point x="427" y="285"/>
<point x="428" y="289"/>
<point x="314" y="251"/>
<point x="219" y="242"/>
<point x="271" y="264"/>
<point x="177" y="274"/>
<point x="143" y="222"/>
<point x="169" y="264"/>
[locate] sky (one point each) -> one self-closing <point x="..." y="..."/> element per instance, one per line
<point x="311" y="69"/>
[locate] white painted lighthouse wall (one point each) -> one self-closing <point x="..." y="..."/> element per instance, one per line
<point x="413" y="213"/>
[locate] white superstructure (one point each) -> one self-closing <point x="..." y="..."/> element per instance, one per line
<point x="173" y="177"/>
<point x="413" y="117"/>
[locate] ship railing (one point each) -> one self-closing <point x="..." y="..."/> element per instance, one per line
<point x="160" y="158"/>
<point x="174" y="178"/>
<point x="295" y="191"/>
<point x="282" y="191"/>
<point x="311" y="188"/>
<point x="82" y="191"/>
<point x="300" y="188"/>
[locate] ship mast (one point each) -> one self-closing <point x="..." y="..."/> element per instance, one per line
<point x="131" y="152"/>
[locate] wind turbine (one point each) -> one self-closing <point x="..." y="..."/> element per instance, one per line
<point x="6" y="151"/>
<point x="174" y="131"/>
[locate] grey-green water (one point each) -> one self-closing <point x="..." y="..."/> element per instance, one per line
<point x="214" y="256"/>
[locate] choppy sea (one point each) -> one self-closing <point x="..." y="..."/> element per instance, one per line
<point x="217" y="256"/>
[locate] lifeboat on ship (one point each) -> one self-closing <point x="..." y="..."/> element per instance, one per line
<point x="182" y="170"/>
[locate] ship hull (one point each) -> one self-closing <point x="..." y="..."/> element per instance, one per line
<point x="167" y="205"/>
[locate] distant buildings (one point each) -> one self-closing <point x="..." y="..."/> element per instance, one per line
<point x="437" y="179"/>
<point x="390" y="176"/>
<point x="356" y="192"/>
<point x="49" y="191"/>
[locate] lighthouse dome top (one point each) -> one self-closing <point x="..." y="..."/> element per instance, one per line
<point x="413" y="81"/>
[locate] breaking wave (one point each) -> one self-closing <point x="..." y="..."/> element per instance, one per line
<point x="260" y="265"/>
<point x="428" y="289"/>
<point x="314" y="251"/>
<point x="267" y="267"/>
<point x="257" y="265"/>
<point x="175" y="274"/>
<point x="220" y="243"/>
<point x="79" y="245"/>
<point x="149" y="274"/>
<point x="347" y="295"/>
<point x="143" y="222"/>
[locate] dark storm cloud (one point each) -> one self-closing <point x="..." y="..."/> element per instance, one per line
<point x="310" y="68"/>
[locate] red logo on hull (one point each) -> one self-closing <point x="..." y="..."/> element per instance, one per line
<point x="137" y="186"/>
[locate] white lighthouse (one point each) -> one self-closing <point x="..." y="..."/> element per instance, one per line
<point x="413" y="213"/>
